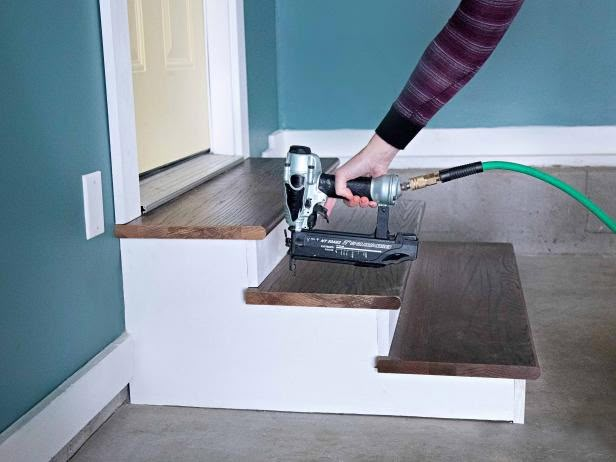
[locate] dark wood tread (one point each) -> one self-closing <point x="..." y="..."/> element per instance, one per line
<point x="335" y="285"/>
<point x="463" y="314"/>
<point x="245" y="202"/>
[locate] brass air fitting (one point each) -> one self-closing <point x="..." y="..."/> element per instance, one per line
<point x="421" y="181"/>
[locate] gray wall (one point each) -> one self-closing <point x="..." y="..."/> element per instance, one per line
<point x="60" y="295"/>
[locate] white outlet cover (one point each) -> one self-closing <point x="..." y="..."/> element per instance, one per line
<point x="93" y="204"/>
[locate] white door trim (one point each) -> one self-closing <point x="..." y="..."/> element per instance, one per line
<point x="228" y="93"/>
<point x="120" y="109"/>
<point x="225" y="44"/>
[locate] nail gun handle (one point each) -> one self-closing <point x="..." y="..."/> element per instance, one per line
<point x="359" y="186"/>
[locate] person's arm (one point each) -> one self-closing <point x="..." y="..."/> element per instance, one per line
<point x="450" y="61"/>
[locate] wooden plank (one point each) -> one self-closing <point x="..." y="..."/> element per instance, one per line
<point x="245" y="202"/>
<point x="338" y="285"/>
<point x="463" y="314"/>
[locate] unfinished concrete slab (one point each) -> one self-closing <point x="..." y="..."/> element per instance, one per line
<point x="571" y="408"/>
<point x="601" y="188"/>
<point x="537" y="218"/>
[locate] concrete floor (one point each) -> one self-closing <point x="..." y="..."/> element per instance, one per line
<point x="570" y="410"/>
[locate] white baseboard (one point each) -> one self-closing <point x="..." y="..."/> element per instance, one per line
<point x="447" y="147"/>
<point x="52" y="423"/>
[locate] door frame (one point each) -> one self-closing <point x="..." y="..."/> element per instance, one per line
<point x="228" y="100"/>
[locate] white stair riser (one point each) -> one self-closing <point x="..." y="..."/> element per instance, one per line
<point x="198" y="344"/>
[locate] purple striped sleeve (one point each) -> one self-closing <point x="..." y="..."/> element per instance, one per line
<point x="450" y="61"/>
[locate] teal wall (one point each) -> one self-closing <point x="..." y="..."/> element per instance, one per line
<point x="342" y="63"/>
<point x="60" y="295"/>
<point x="261" y="68"/>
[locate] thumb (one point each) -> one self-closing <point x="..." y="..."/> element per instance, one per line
<point x="329" y="205"/>
<point x="341" y="187"/>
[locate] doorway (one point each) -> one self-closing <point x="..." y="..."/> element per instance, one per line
<point x="170" y="78"/>
<point x="170" y="84"/>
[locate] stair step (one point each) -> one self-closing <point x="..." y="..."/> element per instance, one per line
<point x="463" y="314"/>
<point x="245" y="202"/>
<point x="335" y="285"/>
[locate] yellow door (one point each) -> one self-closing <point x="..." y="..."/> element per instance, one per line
<point x="169" y="79"/>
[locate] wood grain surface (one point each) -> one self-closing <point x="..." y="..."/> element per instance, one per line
<point x="463" y="314"/>
<point x="244" y="203"/>
<point x="338" y="285"/>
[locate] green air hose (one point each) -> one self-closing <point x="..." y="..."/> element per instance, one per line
<point x="478" y="167"/>
<point x="578" y="196"/>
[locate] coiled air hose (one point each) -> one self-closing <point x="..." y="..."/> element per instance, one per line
<point x="461" y="171"/>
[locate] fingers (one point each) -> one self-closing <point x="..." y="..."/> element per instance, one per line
<point x="353" y="202"/>
<point x="356" y="201"/>
<point x="343" y="190"/>
<point x="362" y="202"/>
<point x="373" y="160"/>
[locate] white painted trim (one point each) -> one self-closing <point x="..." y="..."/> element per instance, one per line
<point x="228" y="93"/>
<point x="263" y="255"/>
<point x="226" y="55"/>
<point x="519" y="400"/>
<point x="386" y="327"/>
<point x="120" y="109"/>
<point x="446" y="147"/>
<point x="53" y="422"/>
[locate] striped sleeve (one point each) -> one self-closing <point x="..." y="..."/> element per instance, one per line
<point x="450" y="61"/>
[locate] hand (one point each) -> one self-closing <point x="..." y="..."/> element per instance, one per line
<point x="372" y="161"/>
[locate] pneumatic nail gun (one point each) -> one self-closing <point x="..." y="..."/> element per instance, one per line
<point x="306" y="190"/>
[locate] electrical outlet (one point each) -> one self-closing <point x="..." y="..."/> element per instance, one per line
<point x="93" y="204"/>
